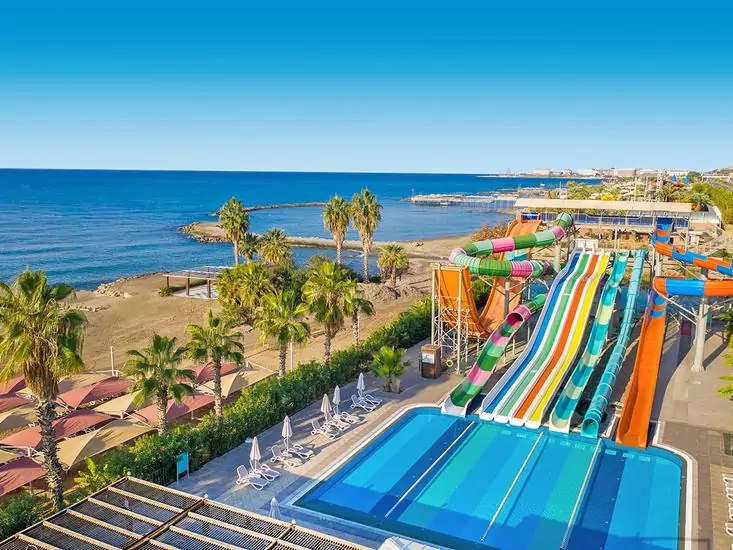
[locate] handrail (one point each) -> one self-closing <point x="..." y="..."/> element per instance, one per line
<point x="511" y="487"/>
<point x="456" y="440"/>
<point x="583" y="487"/>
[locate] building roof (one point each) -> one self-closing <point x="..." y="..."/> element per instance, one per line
<point x="96" y="391"/>
<point x="619" y="206"/>
<point x="66" y="426"/>
<point x="139" y="515"/>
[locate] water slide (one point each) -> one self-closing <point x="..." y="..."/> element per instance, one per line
<point x="516" y="369"/>
<point x="633" y="428"/>
<point x="453" y="283"/>
<point x="568" y="400"/>
<point x="554" y="362"/>
<point x="593" y="416"/>
<point x="460" y="398"/>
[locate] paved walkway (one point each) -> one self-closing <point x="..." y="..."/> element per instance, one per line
<point x="217" y="478"/>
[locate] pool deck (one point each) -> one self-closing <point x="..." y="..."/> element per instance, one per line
<point x="691" y="417"/>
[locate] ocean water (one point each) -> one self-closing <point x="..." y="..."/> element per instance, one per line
<point x="85" y="227"/>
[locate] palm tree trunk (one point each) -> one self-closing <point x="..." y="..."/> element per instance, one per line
<point x="161" y="401"/>
<point x="355" y="325"/>
<point x="339" y="245"/>
<point x="283" y="358"/>
<point x="236" y="252"/>
<point x="217" y="390"/>
<point x="365" y="250"/>
<point x="45" y="415"/>
<point x="327" y="347"/>
<point x="394" y="277"/>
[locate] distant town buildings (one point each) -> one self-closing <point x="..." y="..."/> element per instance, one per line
<point x="541" y="172"/>
<point x="609" y="172"/>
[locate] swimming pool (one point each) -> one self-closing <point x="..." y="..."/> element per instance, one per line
<point x="465" y="483"/>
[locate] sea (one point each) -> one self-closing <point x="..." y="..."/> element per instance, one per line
<point x="87" y="227"/>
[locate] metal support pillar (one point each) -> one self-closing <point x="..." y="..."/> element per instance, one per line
<point x="459" y="328"/>
<point x="556" y="261"/>
<point x="700" y="331"/>
<point x="432" y="306"/>
<point x="507" y="295"/>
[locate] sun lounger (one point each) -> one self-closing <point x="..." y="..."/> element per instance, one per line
<point x="323" y="430"/>
<point x="263" y="470"/>
<point x="337" y="423"/>
<point x="729" y="528"/>
<point x="361" y="404"/>
<point x="369" y="399"/>
<point x="298" y="450"/>
<point x="246" y="478"/>
<point x="728" y="478"/>
<point x="345" y="416"/>
<point x="285" y="459"/>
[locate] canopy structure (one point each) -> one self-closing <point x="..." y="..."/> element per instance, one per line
<point x="206" y="372"/>
<point x="66" y="426"/>
<point x="188" y="404"/>
<point x="230" y="383"/>
<point x="97" y="391"/>
<point x="132" y="513"/>
<point x="117" y="432"/>
<point x="617" y="206"/>
<point x="120" y="406"/>
<point x="74" y="381"/>
<point x="6" y="456"/>
<point x="10" y="401"/>
<point x="19" y="472"/>
<point x="12" y="385"/>
<point x="18" y="417"/>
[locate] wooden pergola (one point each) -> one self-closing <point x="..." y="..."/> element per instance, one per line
<point x="206" y="273"/>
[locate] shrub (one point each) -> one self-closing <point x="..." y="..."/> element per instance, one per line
<point x="19" y="512"/>
<point x="165" y="291"/>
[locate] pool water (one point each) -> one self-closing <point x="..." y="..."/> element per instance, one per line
<point x="468" y="483"/>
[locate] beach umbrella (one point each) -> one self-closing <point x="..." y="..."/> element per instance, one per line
<point x="326" y="407"/>
<point x="287" y="432"/>
<point x="336" y="399"/>
<point x="275" y="509"/>
<point x="254" y="455"/>
<point x="360" y="387"/>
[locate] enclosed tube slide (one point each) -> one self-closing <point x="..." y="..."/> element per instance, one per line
<point x="568" y="400"/>
<point x="466" y="256"/>
<point x="457" y="402"/>
<point x="592" y="419"/>
<point x="515" y="370"/>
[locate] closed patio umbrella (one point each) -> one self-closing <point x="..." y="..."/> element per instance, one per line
<point x="336" y="399"/>
<point x="287" y="432"/>
<point x="275" y="509"/>
<point x="254" y="454"/>
<point x="326" y="407"/>
<point x="360" y="386"/>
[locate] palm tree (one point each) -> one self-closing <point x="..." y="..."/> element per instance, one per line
<point x="158" y="376"/>
<point x="389" y="364"/>
<point x="392" y="259"/>
<point x="700" y="201"/>
<point x="274" y="247"/>
<point x="667" y="193"/>
<point x="248" y="246"/>
<point x="41" y="339"/>
<point x="366" y="213"/>
<point x="234" y="220"/>
<point x="241" y="288"/>
<point x="336" y="218"/>
<point x="356" y="304"/>
<point x="324" y="293"/>
<point x="280" y="317"/>
<point x="217" y="342"/>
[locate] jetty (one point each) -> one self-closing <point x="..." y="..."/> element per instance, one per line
<point x="495" y="201"/>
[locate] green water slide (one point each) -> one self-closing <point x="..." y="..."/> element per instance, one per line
<point x="568" y="400"/>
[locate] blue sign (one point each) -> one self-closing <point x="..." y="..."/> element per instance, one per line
<point x="181" y="465"/>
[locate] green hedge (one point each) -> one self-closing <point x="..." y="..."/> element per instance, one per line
<point x="258" y="408"/>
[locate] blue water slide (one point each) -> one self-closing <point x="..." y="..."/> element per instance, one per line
<point x="592" y="419"/>
<point x="497" y="393"/>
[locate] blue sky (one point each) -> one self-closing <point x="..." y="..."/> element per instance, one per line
<point x="374" y="86"/>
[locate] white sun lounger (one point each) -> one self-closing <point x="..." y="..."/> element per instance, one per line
<point x="323" y="430"/>
<point x="369" y="399"/>
<point x="246" y="478"/>
<point x="729" y="528"/>
<point x="345" y="416"/>
<point x="285" y="459"/>
<point x="336" y="422"/>
<point x="298" y="450"/>
<point x="263" y="470"/>
<point x="361" y="404"/>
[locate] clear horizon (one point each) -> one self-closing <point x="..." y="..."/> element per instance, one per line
<point x="408" y="88"/>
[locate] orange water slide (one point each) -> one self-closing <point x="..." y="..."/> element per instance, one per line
<point x="633" y="428"/>
<point x="493" y="313"/>
<point x="564" y="338"/>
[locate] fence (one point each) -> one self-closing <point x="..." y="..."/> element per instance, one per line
<point x="630" y="222"/>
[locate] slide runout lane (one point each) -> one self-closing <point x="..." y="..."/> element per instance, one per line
<point x="549" y="340"/>
<point x="494" y="396"/>
<point x="573" y="390"/>
<point x="558" y="367"/>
